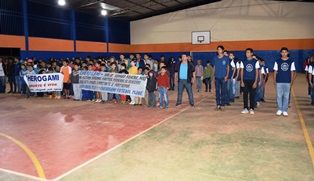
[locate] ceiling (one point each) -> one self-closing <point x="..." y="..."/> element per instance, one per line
<point x="130" y="9"/>
<point x="134" y="9"/>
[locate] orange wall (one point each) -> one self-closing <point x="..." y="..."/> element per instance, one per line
<point x="12" y="41"/>
<point x="49" y="44"/>
<point x="88" y="46"/>
<point x="230" y="45"/>
<point x="119" y="48"/>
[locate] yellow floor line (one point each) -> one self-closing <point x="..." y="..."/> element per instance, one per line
<point x="304" y="129"/>
<point x="30" y="154"/>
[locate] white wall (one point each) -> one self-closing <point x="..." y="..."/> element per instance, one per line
<point x="229" y="20"/>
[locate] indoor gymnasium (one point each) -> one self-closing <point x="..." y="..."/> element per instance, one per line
<point x="156" y="90"/>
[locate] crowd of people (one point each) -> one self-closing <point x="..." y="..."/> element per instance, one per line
<point x="229" y="75"/>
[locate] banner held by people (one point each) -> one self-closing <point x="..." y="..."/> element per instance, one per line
<point x="115" y="83"/>
<point x="44" y="82"/>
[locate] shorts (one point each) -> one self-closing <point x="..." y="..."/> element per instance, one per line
<point x="67" y="86"/>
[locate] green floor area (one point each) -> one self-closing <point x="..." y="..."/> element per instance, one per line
<point x="5" y="176"/>
<point x="201" y="144"/>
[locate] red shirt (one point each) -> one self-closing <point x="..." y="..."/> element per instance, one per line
<point x="163" y="80"/>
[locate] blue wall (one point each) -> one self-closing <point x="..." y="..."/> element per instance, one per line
<point x="60" y="23"/>
<point x="11" y="17"/>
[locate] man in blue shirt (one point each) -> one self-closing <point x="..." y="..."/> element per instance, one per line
<point x="249" y="75"/>
<point x="186" y="77"/>
<point x="221" y="72"/>
<point x="284" y="75"/>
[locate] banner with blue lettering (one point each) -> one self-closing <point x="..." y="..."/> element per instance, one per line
<point x="133" y="85"/>
<point x="44" y="82"/>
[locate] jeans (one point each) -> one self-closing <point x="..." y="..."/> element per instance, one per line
<point x="230" y="95"/>
<point x="23" y="87"/>
<point x="221" y="91"/>
<point x="17" y="88"/>
<point x="258" y="93"/>
<point x="236" y="88"/>
<point x="208" y="84"/>
<point x="188" y="86"/>
<point x="260" y="90"/>
<point x="249" y="94"/>
<point x="283" y="94"/>
<point x="163" y="97"/>
<point x="199" y="83"/>
<point x="2" y="84"/>
<point x="151" y="99"/>
<point x="77" y="91"/>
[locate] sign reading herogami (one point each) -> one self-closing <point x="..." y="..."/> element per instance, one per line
<point x="133" y="85"/>
<point x="44" y="82"/>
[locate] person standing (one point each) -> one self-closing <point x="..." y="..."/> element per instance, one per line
<point x="186" y="76"/>
<point x="249" y="75"/>
<point x="133" y="71"/>
<point x="11" y="75"/>
<point x="66" y="70"/>
<point x="264" y="77"/>
<point x="237" y="77"/>
<point x="284" y="75"/>
<point x="2" y="77"/>
<point x="221" y="72"/>
<point x="199" y="71"/>
<point x="171" y="65"/>
<point x="163" y="86"/>
<point x="232" y="70"/>
<point x="207" y="77"/>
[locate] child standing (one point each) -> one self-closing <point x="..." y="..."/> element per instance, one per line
<point x="151" y="88"/>
<point x="199" y="71"/>
<point x="163" y="86"/>
<point x="207" y="77"/>
<point x="104" y="95"/>
<point x="97" y="68"/>
<point x="23" y="72"/>
<point x="133" y="71"/>
<point x="30" y="71"/>
<point x="75" y="83"/>
<point x="123" y="71"/>
<point x="66" y="70"/>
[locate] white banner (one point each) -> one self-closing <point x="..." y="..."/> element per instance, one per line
<point x="133" y="85"/>
<point x="44" y="82"/>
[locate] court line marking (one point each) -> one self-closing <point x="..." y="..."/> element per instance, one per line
<point x="39" y="169"/>
<point x="304" y="129"/>
<point x="22" y="174"/>
<point x="122" y="143"/>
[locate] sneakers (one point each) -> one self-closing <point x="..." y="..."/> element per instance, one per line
<point x="132" y="103"/>
<point x="285" y="114"/>
<point x="258" y="104"/>
<point x="245" y="111"/>
<point x="278" y="113"/>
